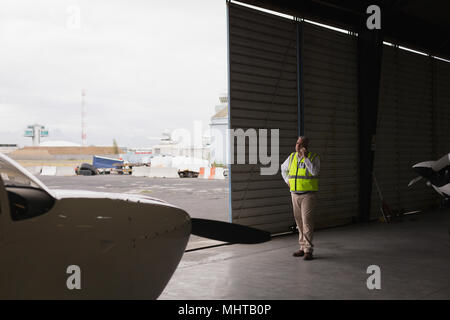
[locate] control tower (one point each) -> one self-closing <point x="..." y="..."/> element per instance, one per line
<point x="36" y="131"/>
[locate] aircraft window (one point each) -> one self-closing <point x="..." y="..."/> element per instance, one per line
<point x="26" y="202"/>
<point x="26" y="197"/>
<point x="13" y="177"/>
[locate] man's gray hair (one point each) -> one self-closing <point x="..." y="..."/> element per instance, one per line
<point x="305" y="140"/>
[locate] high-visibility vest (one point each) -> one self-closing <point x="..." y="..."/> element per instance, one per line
<point x="300" y="179"/>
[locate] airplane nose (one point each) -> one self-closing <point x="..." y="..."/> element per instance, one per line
<point x="161" y="220"/>
<point x="160" y="238"/>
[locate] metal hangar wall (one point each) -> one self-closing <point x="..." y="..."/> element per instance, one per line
<point x="368" y="108"/>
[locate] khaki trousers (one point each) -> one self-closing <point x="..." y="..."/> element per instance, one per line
<point x="303" y="205"/>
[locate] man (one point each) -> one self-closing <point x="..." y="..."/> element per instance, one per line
<point x="300" y="171"/>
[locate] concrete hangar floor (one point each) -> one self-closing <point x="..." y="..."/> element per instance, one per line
<point x="413" y="256"/>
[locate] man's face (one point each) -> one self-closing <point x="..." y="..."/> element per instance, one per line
<point x="300" y="144"/>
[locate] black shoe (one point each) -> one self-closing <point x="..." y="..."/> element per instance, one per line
<point x="308" y="256"/>
<point x="299" y="253"/>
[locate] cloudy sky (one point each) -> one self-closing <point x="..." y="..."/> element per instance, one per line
<point x="146" y="66"/>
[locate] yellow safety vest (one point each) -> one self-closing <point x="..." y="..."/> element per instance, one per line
<point x="300" y="179"/>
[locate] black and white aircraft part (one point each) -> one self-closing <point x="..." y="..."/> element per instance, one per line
<point x="436" y="173"/>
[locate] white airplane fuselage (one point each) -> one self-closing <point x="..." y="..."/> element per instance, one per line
<point x="126" y="246"/>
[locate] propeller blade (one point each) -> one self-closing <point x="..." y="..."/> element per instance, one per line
<point x="228" y="232"/>
<point x="414" y="181"/>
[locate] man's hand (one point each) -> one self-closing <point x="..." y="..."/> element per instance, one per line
<point x="302" y="152"/>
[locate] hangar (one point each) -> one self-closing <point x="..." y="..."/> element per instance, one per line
<point x="374" y="102"/>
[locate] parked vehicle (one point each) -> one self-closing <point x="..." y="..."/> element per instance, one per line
<point x="187" y="173"/>
<point x="86" y="169"/>
<point x="106" y="165"/>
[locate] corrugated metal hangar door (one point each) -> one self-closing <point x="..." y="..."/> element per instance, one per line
<point x="441" y="101"/>
<point x="386" y="161"/>
<point x="331" y="120"/>
<point x="413" y="126"/>
<point x="264" y="94"/>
